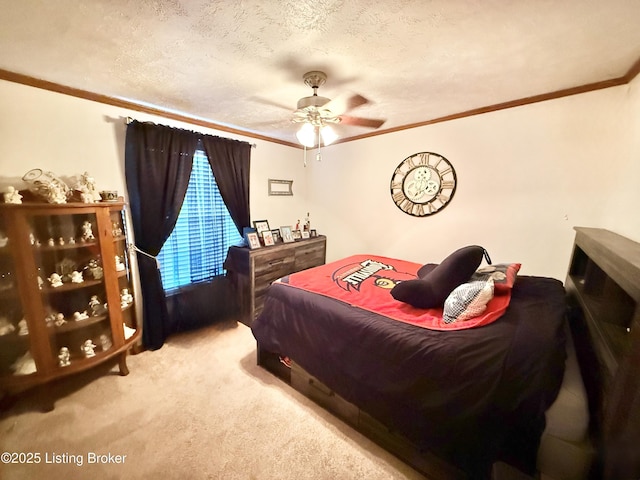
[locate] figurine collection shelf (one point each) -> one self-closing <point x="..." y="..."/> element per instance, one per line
<point x="66" y="291"/>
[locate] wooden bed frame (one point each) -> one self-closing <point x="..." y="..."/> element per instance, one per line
<point x="603" y="292"/>
<point x="294" y="375"/>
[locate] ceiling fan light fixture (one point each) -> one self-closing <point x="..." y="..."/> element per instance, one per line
<point x="328" y="135"/>
<point x="307" y="135"/>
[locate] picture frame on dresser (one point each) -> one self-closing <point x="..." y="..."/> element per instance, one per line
<point x="287" y="234"/>
<point x="261" y="226"/>
<point x="253" y="240"/>
<point x="267" y="238"/>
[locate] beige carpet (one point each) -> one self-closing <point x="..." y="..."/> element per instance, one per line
<point x="198" y="408"/>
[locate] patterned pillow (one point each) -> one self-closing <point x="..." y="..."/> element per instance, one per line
<point x="503" y="275"/>
<point x="467" y="301"/>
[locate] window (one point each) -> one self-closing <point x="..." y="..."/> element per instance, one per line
<point x="197" y="247"/>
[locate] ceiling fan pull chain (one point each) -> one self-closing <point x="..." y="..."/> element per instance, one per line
<point x="318" y="156"/>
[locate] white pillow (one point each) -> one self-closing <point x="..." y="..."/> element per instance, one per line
<point x="467" y="301"/>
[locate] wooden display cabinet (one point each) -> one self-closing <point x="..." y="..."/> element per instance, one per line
<point x="89" y="311"/>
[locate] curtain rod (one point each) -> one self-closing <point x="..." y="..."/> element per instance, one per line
<point x="128" y="120"/>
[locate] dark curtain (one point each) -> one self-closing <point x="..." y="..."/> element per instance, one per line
<point x="230" y="161"/>
<point x="158" y="162"/>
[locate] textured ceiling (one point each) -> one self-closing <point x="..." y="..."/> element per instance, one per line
<point x="240" y="63"/>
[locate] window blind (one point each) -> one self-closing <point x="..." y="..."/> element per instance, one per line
<point x="196" y="249"/>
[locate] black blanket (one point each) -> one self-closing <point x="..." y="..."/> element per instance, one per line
<point x="471" y="396"/>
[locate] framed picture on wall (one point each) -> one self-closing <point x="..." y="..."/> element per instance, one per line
<point x="287" y="234"/>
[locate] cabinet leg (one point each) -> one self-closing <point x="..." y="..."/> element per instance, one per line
<point x="122" y="363"/>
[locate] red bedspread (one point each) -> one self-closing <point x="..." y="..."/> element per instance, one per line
<point x="365" y="281"/>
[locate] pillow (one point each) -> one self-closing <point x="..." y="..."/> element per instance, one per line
<point x="433" y="289"/>
<point x="503" y="275"/>
<point x="467" y="301"/>
<point x="427" y="268"/>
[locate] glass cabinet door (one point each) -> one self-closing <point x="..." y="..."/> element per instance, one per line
<point x="15" y="352"/>
<point x="69" y="264"/>
<point x="123" y="272"/>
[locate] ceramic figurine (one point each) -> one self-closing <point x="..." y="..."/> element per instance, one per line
<point x="6" y="326"/>
<point x="51" y="242"/>
<point x="87" y="232"/>
<point x="78" y="316"/>
<point x="24" y="365"/>
<point x="105" y="342"/>
<point x="12" y="195"/>
<point x="55" y="280"/>
<point x="23" y="328"/>
<point x="95" y="270"/>
<point x="96" y="307"/>
<point x="116" y="230"/>
<point x="64" y="357"/>
<point x="119" y="265"/>
<point x="87" y="349"/>
<point x="126" y="298"/>
<point x="50" y="319"/>
<point x="76" y="277"/>
<point x="87" y="188"/>
<point x="72" y="241"/>
<point x="60" y="320"/>
<point x="4" y="240"/>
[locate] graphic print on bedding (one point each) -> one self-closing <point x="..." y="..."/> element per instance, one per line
<point x="367" y="274"/>
<point x="365" y="281"/>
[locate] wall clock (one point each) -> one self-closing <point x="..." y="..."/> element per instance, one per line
<point x="423" y="184"/>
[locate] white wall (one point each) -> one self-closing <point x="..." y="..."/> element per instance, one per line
<point x="68" y="136"/>
<point x="526" y="175"/>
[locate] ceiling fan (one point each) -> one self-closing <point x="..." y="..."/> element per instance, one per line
<point x="316" y="113"/>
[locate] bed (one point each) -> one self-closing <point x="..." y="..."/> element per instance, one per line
<point x="451" y="400"/>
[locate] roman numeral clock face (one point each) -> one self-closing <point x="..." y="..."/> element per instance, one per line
<point x="423" y="184"/>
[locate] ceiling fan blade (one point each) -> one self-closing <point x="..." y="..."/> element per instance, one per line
<point x="361" y="122"/>
<point x="344" y="103"/>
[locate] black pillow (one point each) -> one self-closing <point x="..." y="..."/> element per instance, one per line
<point x="432" y="289"/>
<point x="426" y="269"/>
